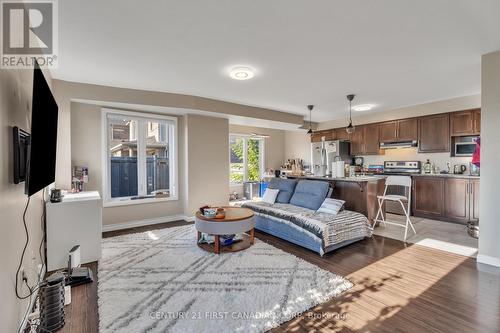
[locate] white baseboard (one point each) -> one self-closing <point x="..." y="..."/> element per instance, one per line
<point x="488" y="260"/>
<point x="189" y="218"/>
<point x="141" y="223"/>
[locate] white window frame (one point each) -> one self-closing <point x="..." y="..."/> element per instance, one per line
<point x="262" y="145"/>
<point x="141" y="158"/>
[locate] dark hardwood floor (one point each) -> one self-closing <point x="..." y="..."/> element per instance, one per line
<point x="398" y="287"/>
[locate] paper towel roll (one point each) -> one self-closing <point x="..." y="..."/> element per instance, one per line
<point x="339" y="169"/>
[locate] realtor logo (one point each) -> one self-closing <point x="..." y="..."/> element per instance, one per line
<point x="29" y="33"/>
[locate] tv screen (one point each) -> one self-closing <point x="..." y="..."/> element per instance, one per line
<point x="41" y="169"/>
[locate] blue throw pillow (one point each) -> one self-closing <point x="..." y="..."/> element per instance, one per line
<point x="310" y="194"/>
<point x="286" y="187"/>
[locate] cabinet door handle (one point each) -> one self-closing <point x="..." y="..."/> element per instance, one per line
<point x="467" y="188"/>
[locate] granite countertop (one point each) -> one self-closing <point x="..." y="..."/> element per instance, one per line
<point x="444" y="175"/>
<point x="343" y="179"/>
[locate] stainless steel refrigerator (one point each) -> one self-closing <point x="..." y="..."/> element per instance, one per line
<point x="325" y="152"/>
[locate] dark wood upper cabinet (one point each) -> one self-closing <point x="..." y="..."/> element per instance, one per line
<point x="476" y="116"/>
<point x="434" y="133"/>
<point x="428" y="196"/>
<point x="399" y="130"/>
<point x="462" y="123"/>
<point x="357" y="140"/>
<point x="408" y="129"/>
<point x="371" y="145"/>
<point x="389" y="131"/>
<point x="341" y="134"/>
<point x="457" y="199"/>
<point x="317" y="135"/>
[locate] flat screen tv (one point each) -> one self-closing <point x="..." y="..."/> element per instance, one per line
<point x="41" y="164"/>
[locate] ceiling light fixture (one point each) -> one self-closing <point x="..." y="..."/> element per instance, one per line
<point x="363" y="107"/>
<point x="241" y="73"/>
<point x="350" y="128"/>
<point x="310" y="107"/>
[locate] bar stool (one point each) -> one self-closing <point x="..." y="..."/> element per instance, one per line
<point x="404" y="181"/>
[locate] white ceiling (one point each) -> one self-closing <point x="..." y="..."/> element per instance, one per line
<point x="391" y="53"/>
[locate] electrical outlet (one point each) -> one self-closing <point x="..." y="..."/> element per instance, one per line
<point x="24" y="276"/>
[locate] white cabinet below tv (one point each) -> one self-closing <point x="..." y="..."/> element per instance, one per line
<point x="76" y="220"/>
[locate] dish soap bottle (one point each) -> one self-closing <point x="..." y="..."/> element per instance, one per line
<point x="427" y="167"/>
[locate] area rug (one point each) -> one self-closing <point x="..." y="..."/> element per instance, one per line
<point x="160" y="281"/>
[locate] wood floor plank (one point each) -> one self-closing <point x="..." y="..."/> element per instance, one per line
<point x="398" y="288"/>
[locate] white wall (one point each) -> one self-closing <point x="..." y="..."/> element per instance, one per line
<point x="298" y="145"/>
<point x="15" y="110"/>
<point x="207" y="149"/>
<point x="489" y="237"/>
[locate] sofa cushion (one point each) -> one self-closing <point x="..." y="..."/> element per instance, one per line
<point x="286" y="187"/>
<point x="310" y="194"/>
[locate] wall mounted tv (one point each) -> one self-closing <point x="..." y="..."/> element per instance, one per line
<point x="40" y="154"/>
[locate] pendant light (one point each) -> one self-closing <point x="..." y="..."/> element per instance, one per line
<point x="350" y="128"/>
<point x="310" y="107"/>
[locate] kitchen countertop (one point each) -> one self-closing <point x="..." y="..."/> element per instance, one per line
<point x="344" y="179"/>
<point x="445" y="175"/>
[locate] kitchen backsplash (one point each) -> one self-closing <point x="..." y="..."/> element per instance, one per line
<point x="411" y="154"/>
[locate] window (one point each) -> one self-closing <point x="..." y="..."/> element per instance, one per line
<point x="246" y="162"/>
<point x="141" y="157"/>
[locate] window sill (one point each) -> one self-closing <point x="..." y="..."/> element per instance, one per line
<point x="128" y="202"/>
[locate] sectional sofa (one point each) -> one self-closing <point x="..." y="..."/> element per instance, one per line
<point x="294" y="217"/>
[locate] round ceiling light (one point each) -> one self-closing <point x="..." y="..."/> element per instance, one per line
<point x="363" y="107"/>
<point x="241" y="73"/>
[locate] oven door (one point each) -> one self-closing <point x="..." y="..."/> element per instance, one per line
<point x="464" y="148"/>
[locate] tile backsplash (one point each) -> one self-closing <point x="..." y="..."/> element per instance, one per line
<point x="411" y="154"/>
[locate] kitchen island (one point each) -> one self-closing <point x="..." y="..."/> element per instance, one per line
<point x="359" y="193"/>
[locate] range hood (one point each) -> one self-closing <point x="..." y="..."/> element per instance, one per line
<point x="398" y="144"/>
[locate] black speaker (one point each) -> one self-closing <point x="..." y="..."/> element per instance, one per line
<point x="52" y="303"/>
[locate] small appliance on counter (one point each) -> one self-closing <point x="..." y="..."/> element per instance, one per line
<point x="459" y="169"/>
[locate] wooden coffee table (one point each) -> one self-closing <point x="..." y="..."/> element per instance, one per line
<point x="238" y="220"/>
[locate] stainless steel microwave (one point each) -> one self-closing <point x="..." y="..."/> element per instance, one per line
<point x="464" y="148"/>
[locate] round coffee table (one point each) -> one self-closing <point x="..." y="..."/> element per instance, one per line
<point x="238" y="220"/>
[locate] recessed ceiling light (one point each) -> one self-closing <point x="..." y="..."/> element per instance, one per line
<point x="241" y="73"/>
<point x="363" y="107"/>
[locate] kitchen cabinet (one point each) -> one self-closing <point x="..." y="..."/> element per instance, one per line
<point x="341" y="134"/>
<point x="474" y="199"/>
<point x="371" y="139"/>
<point x="457" y="199"/>
<point x="462" y="123"/>
<point x="428" y="197"/>
<point x="317" y="135"/>
<point x="476" y="117"/>
<point x="357" y="139"/>
<point x="365" y="140"/>
<point x="434" y="133"/>
<point x="450" y="199"/>
<point x="399" y="130"/>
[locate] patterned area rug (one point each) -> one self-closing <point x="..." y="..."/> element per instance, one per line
<point x="160" y="281"/>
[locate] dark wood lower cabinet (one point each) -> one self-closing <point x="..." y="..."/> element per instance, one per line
<point x="446" y="198"/>
<point x="474" y="199"/>
<point x="457" y="199"/>
<point x="428" y="197"/>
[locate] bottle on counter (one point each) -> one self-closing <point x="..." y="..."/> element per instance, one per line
<point x="427" y="167"/>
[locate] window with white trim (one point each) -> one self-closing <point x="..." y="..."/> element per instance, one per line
<point x="246" y="159"/>
<point x="140" y="153"/>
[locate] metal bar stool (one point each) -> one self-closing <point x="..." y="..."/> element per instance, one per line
<point x="396" y="181"/>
